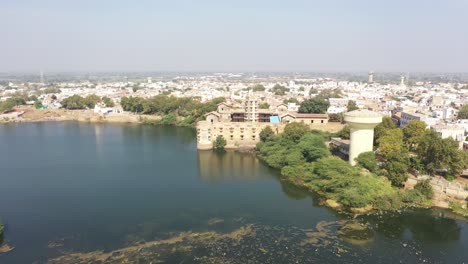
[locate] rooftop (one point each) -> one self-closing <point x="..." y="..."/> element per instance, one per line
<point x="363" y="113"/>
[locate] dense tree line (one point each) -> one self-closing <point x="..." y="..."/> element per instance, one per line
<point x="304" y="159"/>
<point x="15" y="100"/>
<point x="190" y="109"/>
<point x="78" y="102"/>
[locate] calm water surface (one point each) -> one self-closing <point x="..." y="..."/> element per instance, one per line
<point x="75" y="187"/>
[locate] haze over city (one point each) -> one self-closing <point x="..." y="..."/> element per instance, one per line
<point x="401" y="36"/>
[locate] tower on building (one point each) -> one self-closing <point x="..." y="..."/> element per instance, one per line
<point x="361" y="123"/>
<point x="371" y="77"/>
<point x="251" y="108"/>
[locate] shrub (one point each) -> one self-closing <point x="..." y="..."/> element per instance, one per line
<point x="219" y="143"/>
<point x="295" y="130"/>
<point x="389" y="202"/>
<point x="169" y="119"/>
<point x="266" y="134"/>
<point x="367" y="160"/>
<point x="425" y="188"/>
<point x="449" y="178"/>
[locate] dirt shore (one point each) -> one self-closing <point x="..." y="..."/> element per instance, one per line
<point x="35" y="115"/>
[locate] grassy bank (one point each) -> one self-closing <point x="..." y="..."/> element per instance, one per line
<point x="305" y="160"/>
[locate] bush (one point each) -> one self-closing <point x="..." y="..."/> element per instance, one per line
<point x="266" y="134"/>
<point x="295" y="130"/>
<point x="368" y="161"/>
<point x="169" y="119"/>
<point x="425" y="188"/>
<point x="219" y="143"/>
<point x="449" y="178"/>
<point x="389" y="202"/>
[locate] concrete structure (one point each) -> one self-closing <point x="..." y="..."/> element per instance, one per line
<point x="361" y="123"/>
<point x="371" y="77"/>
<point x="454" y="131"/>
<point x="242" y="126"/>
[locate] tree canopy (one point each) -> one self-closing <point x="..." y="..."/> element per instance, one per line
<point x="295" y="130"/>
<point x="352" y="105"/>
<point x="463" y="113"/>
<point x="387" y="123"/>
<point x="436" y="153"/>
<point x="279" y="89"/>
<point x="390" y="141"/>
<point x="413" y="133"/>
<point x="266" y="133"/>
<point x="219" y="143"/>
<point x="317" y="105"/>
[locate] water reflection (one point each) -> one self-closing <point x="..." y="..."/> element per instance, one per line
<point x="421" y="223"/>
<point x="215" y="167"/>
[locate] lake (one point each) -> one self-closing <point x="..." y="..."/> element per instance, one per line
<point x="77" y="187"/>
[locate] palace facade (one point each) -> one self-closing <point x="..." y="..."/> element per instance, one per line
<point x="241" y="126"/>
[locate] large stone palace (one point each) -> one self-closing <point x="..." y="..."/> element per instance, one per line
<point x="240" y="126"/>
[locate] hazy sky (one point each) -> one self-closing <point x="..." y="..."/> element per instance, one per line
<point x="236" y="35"/>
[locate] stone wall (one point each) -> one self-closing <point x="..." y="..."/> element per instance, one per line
<point x="441" y="186"/>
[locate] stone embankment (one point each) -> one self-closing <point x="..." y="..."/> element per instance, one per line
<point x="444" y="191"/>
<point x="27" y="114"/>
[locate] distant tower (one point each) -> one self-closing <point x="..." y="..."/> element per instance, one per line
<point x="42" y="77"/>
<point x="150" y="80"/>
<point x="361" y="123"/>
<point x="371" y="77"/>
<point x="402" y="80"/>
<point x="251" y="108"/>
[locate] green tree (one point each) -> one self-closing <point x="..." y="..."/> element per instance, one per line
<point x="391" y="141"/>
<point x="7" y="105"/>
<point x="108" y="102"/>
<point x="436" y="154"/>
<point x="266" y="134"/>
<point x="387" y="123"/>
<point x="258" y="88"/>
<point x="344" y="133"/>
<point x="463" y="113"/>
<point x="264" y="106"/>
<point x="413" y="133"/>
<point x="368" y="161"/>
<point x="315" y="105"/>
<point x="91" y="100"/>
<point x="335" y="117"/>
<point x="295" y="130"/>
<point x="352" y="105"/>
<point x="219" y="143"/>
<point x="291" y="100"/>
<point x="396" y="167"/>
<point x="73" y="102"/>
<point x="312" y="147"/>
<point x="279" y="89"/>
<point x="425" y="188"/>
<point x="330" y="93"/>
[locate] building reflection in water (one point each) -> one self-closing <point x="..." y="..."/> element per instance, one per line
<point x="217" y="167"/>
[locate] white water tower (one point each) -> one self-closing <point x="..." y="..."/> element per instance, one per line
<point x="361" y="123"/>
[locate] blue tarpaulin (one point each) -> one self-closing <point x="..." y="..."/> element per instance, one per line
<point x="274" y="119"/>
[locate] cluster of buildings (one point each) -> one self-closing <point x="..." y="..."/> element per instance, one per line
<point x="434" y="102"/>
<point x="240" y="125"/>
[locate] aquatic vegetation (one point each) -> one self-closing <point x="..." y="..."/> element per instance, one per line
<point x="250" y="243"/>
